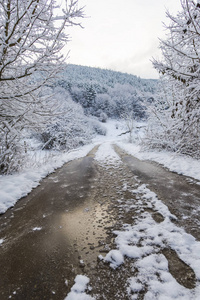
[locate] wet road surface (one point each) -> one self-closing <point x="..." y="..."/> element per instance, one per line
<point x="59" y="230"/>
<point x="180" y="193"/>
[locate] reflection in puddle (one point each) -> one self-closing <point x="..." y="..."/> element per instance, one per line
<point x="85" y="230"/>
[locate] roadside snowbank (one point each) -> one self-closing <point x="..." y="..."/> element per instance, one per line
<point x="178" y="163"/>
<point x="13" y="187"/>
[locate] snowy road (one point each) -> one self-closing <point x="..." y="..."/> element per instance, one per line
<point x="130" y="227"/>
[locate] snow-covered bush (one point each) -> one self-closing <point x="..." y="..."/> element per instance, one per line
<point x="103" y="117"/>
<point x="169" y="132"/>
<point x="104" y="103"/>
<point x="16" y="118"/>
<point x="97" y="127"/>
<point x="70" y="127"/>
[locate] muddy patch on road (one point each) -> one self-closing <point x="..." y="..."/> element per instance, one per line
<point x="181" y="271"/>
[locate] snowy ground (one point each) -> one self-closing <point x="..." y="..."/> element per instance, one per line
<point x="13" y="187"/>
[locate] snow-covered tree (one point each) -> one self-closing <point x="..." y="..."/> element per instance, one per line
<point x="32" y="33"/>
<point x="115" y="91"/>
<point x="89" y="99"/>
<point x="181" y="70"/>
<point x="130" y="122"/>
<point x="68" y="130"/>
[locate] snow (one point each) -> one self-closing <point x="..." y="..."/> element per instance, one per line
<point x="13" y="187"/>
<point x="18" y="185"/>
<point x="115" y="258"/>
<point x="158" y="205"/>
<point x="144" y="240"/>
<point x="37" y="228"/>
<point x="175" y="162"/>
<point x="79" y="288"/>
<point x="178" y="163"/>
<point x="106" y="155"/>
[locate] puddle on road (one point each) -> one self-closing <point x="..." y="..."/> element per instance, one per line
<point x="85" y="228"/>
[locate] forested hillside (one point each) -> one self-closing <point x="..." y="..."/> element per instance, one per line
<point x="105" y="93"/>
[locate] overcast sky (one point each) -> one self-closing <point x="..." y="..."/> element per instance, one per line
<point x="121" y="35"/>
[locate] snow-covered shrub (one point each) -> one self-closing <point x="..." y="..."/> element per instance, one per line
<point x="11" y="153"/>
<point x="16" y="119"/>
<point x="71" y="128"/>
<point x="103" y="103"/>
<point x="97" y="127"/>
<point x="103" y="117"/>
<point x="67" y="134"/>
<point x="165" y="131"/>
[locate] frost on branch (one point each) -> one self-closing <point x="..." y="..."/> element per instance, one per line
<point x="178" y="126"/>
<point x="31" y="37"/>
